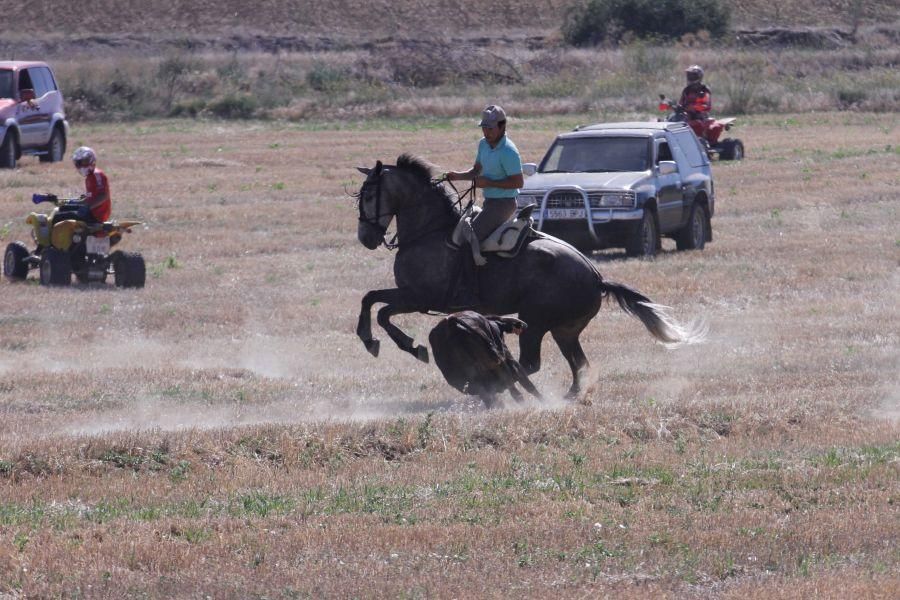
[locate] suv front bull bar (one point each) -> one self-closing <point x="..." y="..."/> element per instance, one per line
<point x="613" y="214"/>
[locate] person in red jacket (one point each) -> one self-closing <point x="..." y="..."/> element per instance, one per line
<point x="696" y="99"/>
<point x="95" y="205"/>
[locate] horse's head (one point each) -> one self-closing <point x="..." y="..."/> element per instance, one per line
<point x="375" y="214"/>
<point x="405" y="188"/>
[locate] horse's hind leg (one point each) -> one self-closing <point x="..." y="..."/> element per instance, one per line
<point x="567" y="340"/>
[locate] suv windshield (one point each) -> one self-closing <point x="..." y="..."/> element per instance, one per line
<point x="597" y="155"/>
<point x="6" y="83"/>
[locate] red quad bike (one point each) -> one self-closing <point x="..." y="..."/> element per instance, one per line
<point x="74" y="247"/>
<point x="707" y="132"/>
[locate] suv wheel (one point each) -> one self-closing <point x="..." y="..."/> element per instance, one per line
<point x="14" y="266"/>
<point x="56" y="267"/>
<point x="644" y="240"/>
<point x="56" y="149"/>
<point x="8" y="151"/>
<point x="693" y="235"/>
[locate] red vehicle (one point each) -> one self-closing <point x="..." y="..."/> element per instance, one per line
<point x="708" y="131"/>
<point x="32" y="119"/>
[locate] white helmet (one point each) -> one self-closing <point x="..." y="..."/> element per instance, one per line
<point x="84" y="158"/>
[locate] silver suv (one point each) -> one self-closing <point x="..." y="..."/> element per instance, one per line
<point x="32" y="120"/>
<point x="624" y="185"/>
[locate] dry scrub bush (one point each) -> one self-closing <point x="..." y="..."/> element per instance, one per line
<point x="430" y="64"/>
<point x="386" y="78"/>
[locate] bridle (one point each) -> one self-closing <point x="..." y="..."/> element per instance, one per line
<point x="375" y="220"/>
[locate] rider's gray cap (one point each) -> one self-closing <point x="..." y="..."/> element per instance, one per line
<point x="492" y="115"/>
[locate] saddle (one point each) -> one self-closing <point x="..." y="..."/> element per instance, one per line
<point x="506" y="241"/>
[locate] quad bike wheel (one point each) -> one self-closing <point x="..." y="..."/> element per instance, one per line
<point x="129" y="269"/>
<point x="732" y="149"/>
<point x="693" y="235"/>
<point x="56" y="267"/>
<point x="14" y="266"/>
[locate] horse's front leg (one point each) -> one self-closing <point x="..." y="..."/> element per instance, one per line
<point x="364" y="325"/>
<point x="403" y="341"/>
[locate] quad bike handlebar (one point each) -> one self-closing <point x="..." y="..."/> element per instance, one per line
<point x="54" y="199"/>
<point x="668" y="104"/>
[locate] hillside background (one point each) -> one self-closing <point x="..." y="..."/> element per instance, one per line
<point x="307" y="59"/>
<point x="377" y="17"/>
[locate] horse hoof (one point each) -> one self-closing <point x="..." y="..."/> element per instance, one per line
<point x="422" y="353"/>
<point x="373" y="346"/>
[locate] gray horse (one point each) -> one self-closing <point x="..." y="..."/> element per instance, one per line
<point x="551" y="285"/>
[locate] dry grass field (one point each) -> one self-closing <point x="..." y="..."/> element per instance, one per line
<point x="222" y="433"/>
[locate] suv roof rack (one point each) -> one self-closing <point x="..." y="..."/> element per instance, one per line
<point x="656" y="125"/>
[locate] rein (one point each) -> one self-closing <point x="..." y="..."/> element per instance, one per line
<point x="460" y="197"/>
<point x="395" y="242"/>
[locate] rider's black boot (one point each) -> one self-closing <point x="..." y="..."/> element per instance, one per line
<point x="465" y="291"/>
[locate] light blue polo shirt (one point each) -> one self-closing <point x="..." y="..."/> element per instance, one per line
<point x="498" y="164"/>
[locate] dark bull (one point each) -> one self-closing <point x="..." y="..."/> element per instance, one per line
<point x="469" y="350"/>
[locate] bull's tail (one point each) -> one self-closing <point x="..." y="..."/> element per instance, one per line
<point x="656" y="318"/>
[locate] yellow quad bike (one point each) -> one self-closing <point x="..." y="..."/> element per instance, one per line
<point x="74" y="247"/>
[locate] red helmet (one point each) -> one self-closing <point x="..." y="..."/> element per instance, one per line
<point x="694" y="73"/>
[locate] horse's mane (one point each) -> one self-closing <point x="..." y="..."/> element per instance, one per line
<point x="421" y="169"/>
<point x="414" y="165"/>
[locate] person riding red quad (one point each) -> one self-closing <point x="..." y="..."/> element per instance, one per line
<point x="96" y="204"/>
<point x="696" y="99"/>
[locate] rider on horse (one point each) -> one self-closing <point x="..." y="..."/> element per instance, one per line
<point x="498" y="171"/>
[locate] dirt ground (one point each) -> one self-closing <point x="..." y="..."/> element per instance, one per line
<point x="227" y="414"/>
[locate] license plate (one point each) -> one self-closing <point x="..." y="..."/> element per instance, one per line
<point x="97" y="245"/>
<point x="566" y="213"/>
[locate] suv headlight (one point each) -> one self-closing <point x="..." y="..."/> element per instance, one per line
<point x="615" y="200"/>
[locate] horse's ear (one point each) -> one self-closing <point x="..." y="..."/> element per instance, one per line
<point x="367" y="171"/>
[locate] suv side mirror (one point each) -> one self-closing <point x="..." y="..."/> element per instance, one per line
<point x="667" y="167"/>
<point x="26" y="95"/>
<point x="529" y="169"/>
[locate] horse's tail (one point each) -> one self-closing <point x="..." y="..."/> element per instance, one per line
<point x="655" y="317"/>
